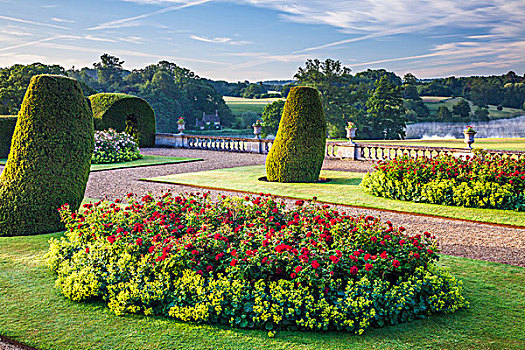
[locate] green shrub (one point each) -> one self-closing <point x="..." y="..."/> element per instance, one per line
<point x="251" y="263"/>
<point x="483" y="181"/>
<point x="114" y="147"/>
<point x="7" y="127"/>
<point x="127" y="113"/>
<point x="50" y="156"/>
<point x="298" y="151"/>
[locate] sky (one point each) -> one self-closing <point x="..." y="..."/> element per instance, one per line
<point x="237" y="40"/>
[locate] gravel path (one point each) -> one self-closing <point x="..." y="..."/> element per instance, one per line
<point x="466" y="239"/>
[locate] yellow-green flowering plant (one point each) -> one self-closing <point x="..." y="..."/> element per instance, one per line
<point x="250" y="262"/>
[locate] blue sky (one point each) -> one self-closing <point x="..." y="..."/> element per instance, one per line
<point x="269" y="39"/>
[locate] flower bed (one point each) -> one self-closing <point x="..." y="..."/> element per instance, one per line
<point x="482" y="181"/>
<point x="251" y="263"/>
<point x="114" y="147"/>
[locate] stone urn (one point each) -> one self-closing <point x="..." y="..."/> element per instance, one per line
<point x="350" y="133"/>
<point x="469" y="138"/>
<point x="257" y="129"/>
<point x="181" y="127"/>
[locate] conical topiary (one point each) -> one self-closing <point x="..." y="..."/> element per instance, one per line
<point x="50" y="156"/>
<point x="298" y="150"/>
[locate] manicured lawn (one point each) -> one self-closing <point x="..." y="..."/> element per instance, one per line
<point x="240" y="105"/>
<point x="34" y="313"/>
<point x="433" y="103"/>
<point x="492" y="143"/>
<point x="343" y="189"/>
<point x="147" y="160"/>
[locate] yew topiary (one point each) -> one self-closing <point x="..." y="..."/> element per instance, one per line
<point x="50" y="157"/>
<point x="298" y="151"/>
<point x="123" y="112"/>
<point x="7" y="127"/>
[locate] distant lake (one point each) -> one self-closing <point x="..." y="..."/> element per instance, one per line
<point x="500" y="128"/>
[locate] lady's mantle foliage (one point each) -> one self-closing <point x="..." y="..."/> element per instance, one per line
<point x="482" y="181"/>
<point x="251" y="263"/>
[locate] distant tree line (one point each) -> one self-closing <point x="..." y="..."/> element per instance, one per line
<point x="171" y="90"/>
<point x="262" y="89"/>
<point x="379" y="102"/>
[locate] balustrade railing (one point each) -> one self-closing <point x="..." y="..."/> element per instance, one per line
<point x="334" y="150"/>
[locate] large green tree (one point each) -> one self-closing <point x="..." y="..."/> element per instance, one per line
<point x="109" y="71"/>
<point x="385" y="109"/>
<point x="461" y="109"/>
<point x="14" y="81"/>
<point x="339" y="93"/>
<point x="271" y="117"/>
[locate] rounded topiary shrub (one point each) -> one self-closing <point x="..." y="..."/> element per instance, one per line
<point x="298" y="151"/>
<point x="127" y="113"/>
<point x="7" y="127"/>
<point x="50" y="156"/>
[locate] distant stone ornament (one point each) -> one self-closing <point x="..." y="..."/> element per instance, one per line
<point x="469" y="133"/>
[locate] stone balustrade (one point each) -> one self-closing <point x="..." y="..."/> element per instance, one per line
<point x="214" y="143"/>
<point x="334" y="150"/>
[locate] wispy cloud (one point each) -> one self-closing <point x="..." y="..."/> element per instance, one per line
<point x="35" y="42"/>
<point x="229" y="41"/>
<point x="62" y="20"/>
<point x="126" y="21"/>
<point x="25" y="21"/>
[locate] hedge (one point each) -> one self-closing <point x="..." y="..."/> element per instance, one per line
<point x="7" y="127"/>
<point x="298" y="151"/>
<point x="50" y="157"/>
<point x="127" y="113"/>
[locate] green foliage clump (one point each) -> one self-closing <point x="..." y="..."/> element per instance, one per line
<point x="250" y="263"/>
<point x="7" y="127"/>
<point x="114" y="147"/>
<point x="271" y="117"/>
<point x="127" y="113"/>
<point x="298" y="151"/>
<point x="50" y="157"/>
<point x="479" y="182"/>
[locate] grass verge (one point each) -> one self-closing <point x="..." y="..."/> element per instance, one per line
<point x="34" y="313"/>
<point x="147" y="160"/>
<point x="343" y="189"/>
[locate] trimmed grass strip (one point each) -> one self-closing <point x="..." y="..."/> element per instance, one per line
<point x="147" y="160"/>
<point x="34" y="313"/>
<point x="343" y="189"/>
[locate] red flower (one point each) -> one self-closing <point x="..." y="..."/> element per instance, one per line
<point x="396" y="263"/>
<point x="315" y="264"/>
<point x="298" y="269"/>
<point x="354" y="270"/>
<point x="430" y="251"/>
<point x="209" y="268"/>
<point x="416" y="255"/>
<point x="233" y="262"/>
<point x="111" y="239"/>
<point x="293" y="275"/>
<point x="139" y="241"/>
<point x="334" y="259"/>
<point x="369" y="267"/>
<point x="87" y="249"/>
